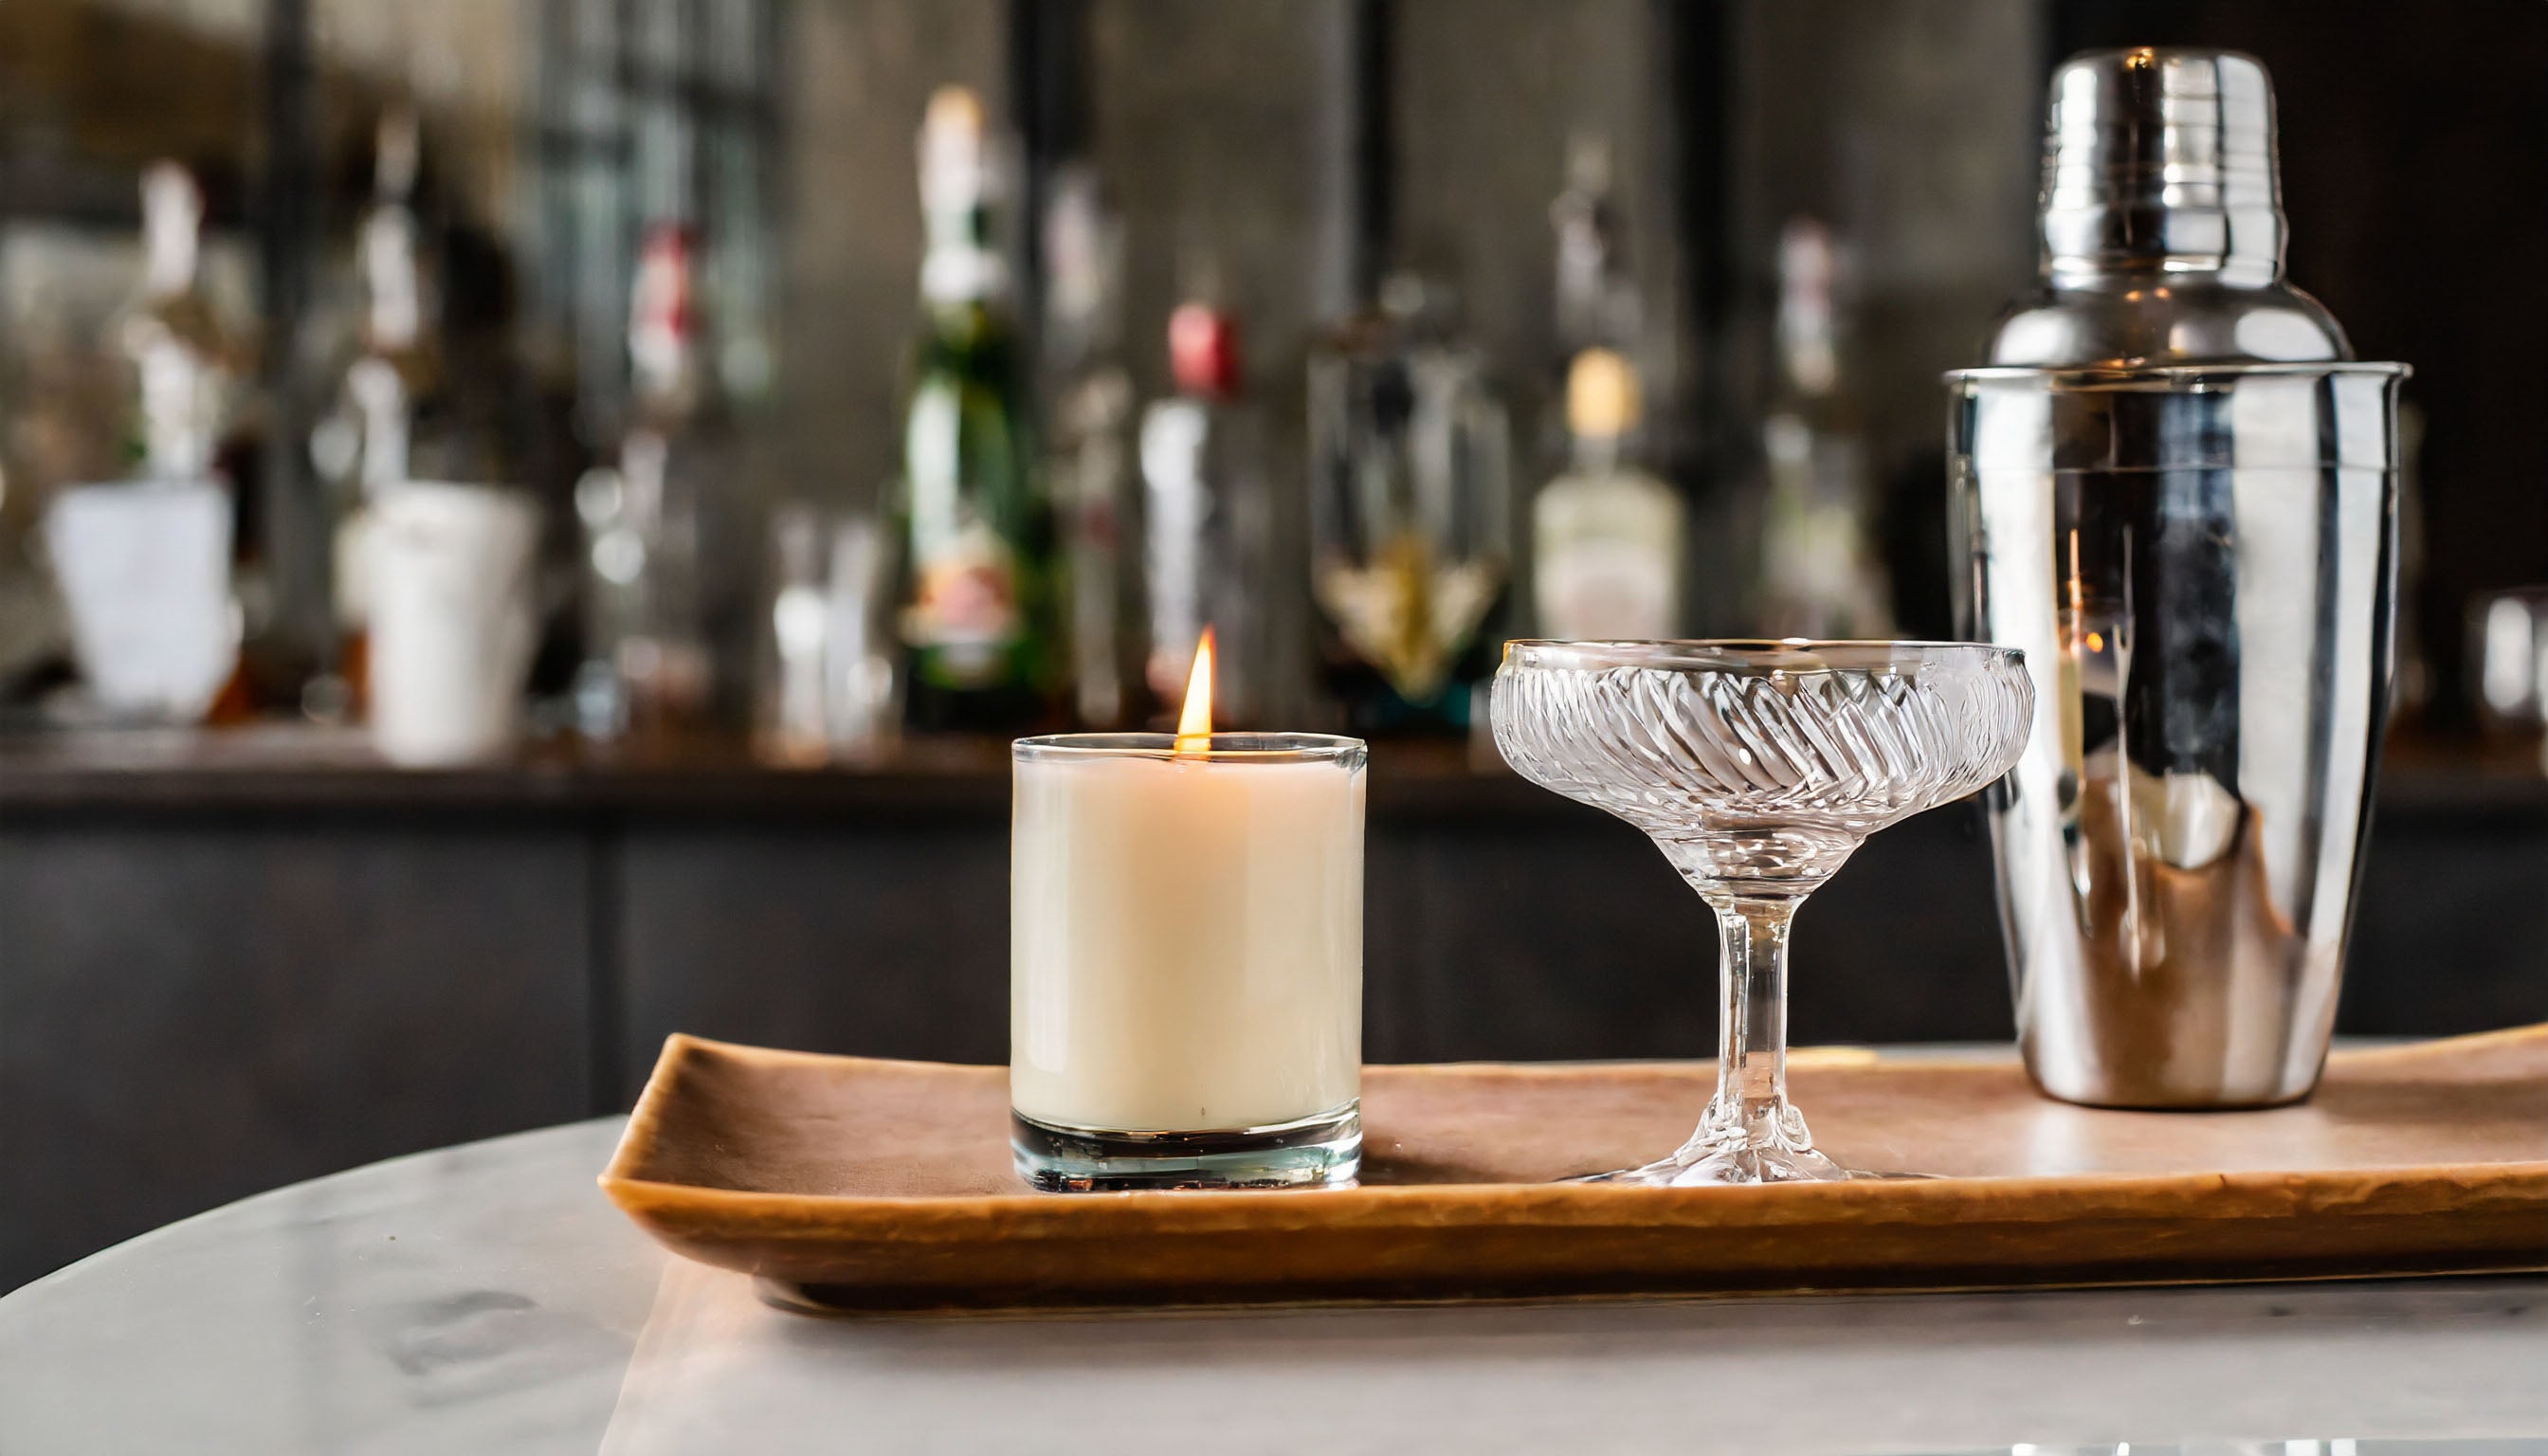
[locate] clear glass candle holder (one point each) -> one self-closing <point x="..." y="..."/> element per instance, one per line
<point x="1185" y="989"/>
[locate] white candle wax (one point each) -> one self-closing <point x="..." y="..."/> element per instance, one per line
<point x="1186" y="940"/>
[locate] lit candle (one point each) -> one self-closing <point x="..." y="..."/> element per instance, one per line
<point x="1185" y="994"/>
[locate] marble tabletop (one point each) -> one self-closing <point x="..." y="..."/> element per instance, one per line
<point x="484" y="1299"/>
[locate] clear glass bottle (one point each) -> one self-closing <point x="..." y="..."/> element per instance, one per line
<point x="1205" y="522"/>
<point x="180" y="382"/>
<point x="389" y="391"/>
<point x="977" y="610"/>
<point x="184" y="368"/>
<point x="1820" y="574"/>
<point x="648" y="662"/>
<point x="1597" y="297"/>
<point x="1088" y="434"/>
<point x="791" y="724"/>
<point x="1608" y="539"/>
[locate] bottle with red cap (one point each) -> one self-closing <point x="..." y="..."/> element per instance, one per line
<point x="1204" y="558"/>
<point x="648" y="662"/>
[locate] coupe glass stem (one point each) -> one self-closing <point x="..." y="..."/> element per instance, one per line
<point x="1750" y="1110"/>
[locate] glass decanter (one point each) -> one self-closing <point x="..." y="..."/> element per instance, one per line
<point x="1410" y="529"/>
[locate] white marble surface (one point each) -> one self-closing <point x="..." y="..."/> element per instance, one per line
<point x="481" y="1299"/>
<point x="487" y="1300"/>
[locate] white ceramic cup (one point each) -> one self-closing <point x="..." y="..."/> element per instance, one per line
<point x="452" y="621"/>
<point x="144" y="570"/>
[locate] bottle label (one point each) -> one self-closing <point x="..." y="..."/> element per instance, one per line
<point x="964" y="610"/>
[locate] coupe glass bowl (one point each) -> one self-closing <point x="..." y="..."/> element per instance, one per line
<point x="1756" y="767"/>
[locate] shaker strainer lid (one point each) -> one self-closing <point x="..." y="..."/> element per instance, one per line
<point x="2161" y="151"/>
<point x="2161" y="220"/>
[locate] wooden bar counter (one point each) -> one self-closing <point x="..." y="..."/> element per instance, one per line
<point x="230" y="960"/>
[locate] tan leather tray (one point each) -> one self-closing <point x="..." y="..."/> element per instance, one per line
<point x="886" y="1185"/>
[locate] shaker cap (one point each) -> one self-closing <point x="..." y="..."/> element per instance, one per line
<point x="2160" y="155"/>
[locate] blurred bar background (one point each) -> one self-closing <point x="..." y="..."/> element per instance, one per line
<point x="657" y="267"/>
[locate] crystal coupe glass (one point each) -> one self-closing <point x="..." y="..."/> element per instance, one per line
<point x="1756" y="767"/>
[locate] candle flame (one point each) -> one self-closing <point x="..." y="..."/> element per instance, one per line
<point x="1194" y="724"/>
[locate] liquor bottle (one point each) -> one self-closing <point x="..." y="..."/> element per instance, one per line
<point x="180" y="399"/>
<point x="184" y="371"/>
<point x="1820" y="574"/>
<point x="976" y="612"/>
<point x="387" y="391"/>
<point x="1088" y="434"/>
<point x="1607" y="538"/>
<point x="648" y="663"/>
<point x="1206" y="531"/>
<point x="1597" y="298"/>
<point x="790" y="725"/>
<point x="1412" y="535"/>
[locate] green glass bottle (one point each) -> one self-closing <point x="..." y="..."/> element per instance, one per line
<point x="981" y="654"/>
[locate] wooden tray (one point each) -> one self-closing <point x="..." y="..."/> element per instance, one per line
<point x="865" y="1184"/>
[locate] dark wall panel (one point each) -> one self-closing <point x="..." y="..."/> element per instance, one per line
<point x="1558" y="937"/>
<point x="1393" y="937"/>
<point x="1569" y="937"/>
<point x="2450" y="933"/>
<point x="891" y="942"/>
<point x="194" y="1011"/>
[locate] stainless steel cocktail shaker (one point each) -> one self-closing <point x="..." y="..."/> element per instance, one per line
<point x="2179" y="497"/>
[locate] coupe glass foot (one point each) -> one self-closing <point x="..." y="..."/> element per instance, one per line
<point x="1730" y="1168"/>
<point x="1701" y="1166"/>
